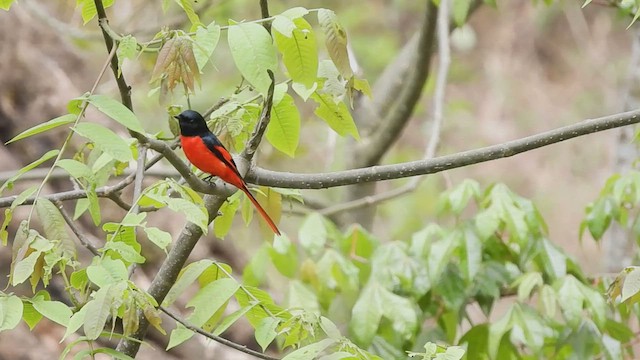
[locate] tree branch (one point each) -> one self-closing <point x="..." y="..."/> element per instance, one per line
<point x="218" y="339"/>
<point x="261" y="176"/>
<point x="261" y="127"/>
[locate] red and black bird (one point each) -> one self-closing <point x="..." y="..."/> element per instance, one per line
<point x="206" y="152"/>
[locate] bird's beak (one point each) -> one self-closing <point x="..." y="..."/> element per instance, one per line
<point x="176" y="117"/>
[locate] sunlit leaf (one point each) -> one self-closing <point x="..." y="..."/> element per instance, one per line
<point x="283" y="131"/>
<point x="254" y="53"/>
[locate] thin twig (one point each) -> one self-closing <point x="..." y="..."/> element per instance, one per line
<point x="261" y="127"/>
<point x="218" y="339"/>
<point x="74" y="228"/>
<point x="264" y="11"/>
<point x="137" y="183"/>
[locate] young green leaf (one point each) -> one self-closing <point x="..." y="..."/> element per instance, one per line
<point x="310" y="351"/>
<point x="10" y="311"/>
<point x="54" y="226"/>
<point x="253" y="52"/>
<point x="337" y="116"/>
<point x="299" y="52"/>
<point x="46" y="126"/>
<point x="106" y="140"/>
<point x="231" y="319"/>
<point x="188" y="9"/>
<point x="179" y="335"/>
<point x="160" y="238"/>
<point x="205" y="41"/>
<point x="117" y="111"/>
<point x="76" y="169"/>
<point x="460" y="11"/>
<point x="107" y="271"/>
<point x="187" y="276"/>
<point x="367" y="313"/>
<point x="313" y="234"/>
<point x="24" y="268"/>
<point x="98" y="311"/>
<point x="5" y="4"/>
<point x="9" y="183"/>
<point x="127" y="49"/>
<point x="283" y="131"/>
<point x="52" y="310"/>
<point x="266" y="332"/>
<point x="210" y="299"/>
<point x="222" y="223"/>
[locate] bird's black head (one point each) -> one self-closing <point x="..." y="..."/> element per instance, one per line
<point x="192" y="123"/>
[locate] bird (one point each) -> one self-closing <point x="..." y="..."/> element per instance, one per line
<point x="205" y="151"/>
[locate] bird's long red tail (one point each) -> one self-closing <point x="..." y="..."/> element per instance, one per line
<point x="262" y="212"/>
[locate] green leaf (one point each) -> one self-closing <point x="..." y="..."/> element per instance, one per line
<point x="188" y="9"/>
<point x="76" y="169"/>
<point x="94" y="206"/>
<point x="310" y="351"/>
<point x="299" y="52"/>
<point x="5" y="4"/>
<point x="266" y="332"/>
<point x="24" y="268"/>
<point x="125" y="251"/>
<point x="106" y="140"/>
<point x="253" y="52"/>
<point x="98" y="311"/>
<point x="205" y="42"/>
<point x="366" y="314"/>
<point x="115" y="110"/>
<point x="631" y="284"/>
<point x="210" y="299"/>
<point x="46" y="126"/>
<point x="127" y="49"/>
<point x="187" y="276"/>
<point x="194" y="213"/>
<point x="300" y="296"/>
<point x="75" y="322"/>
<point x="284" y="256"/>
<point x="335" y="41"/>
<point x="336" y="115"/>
<point x="108" y="271"/>
<point x="48" y="155"/>
<point x="231" y="319"/>
<point x="10" y="312"/>
<point x="460" y="11"/>
<point x="30" y="315"/>
<point x="222" y="223"/>
<point x="160" y="238"/>
<point x="283" y="131"/>
<point x="52" y="310"/>
<point x="54" y="226"/>
<point x="313" y="234"/>
<point x="89" y="10"/>
<point x="179" y="335"/>
<point x="527" y="282"/>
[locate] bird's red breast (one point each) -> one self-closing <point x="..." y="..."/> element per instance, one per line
<point x="204" y="159"/>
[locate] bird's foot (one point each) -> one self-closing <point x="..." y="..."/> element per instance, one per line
<point x="209" y="179"/>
